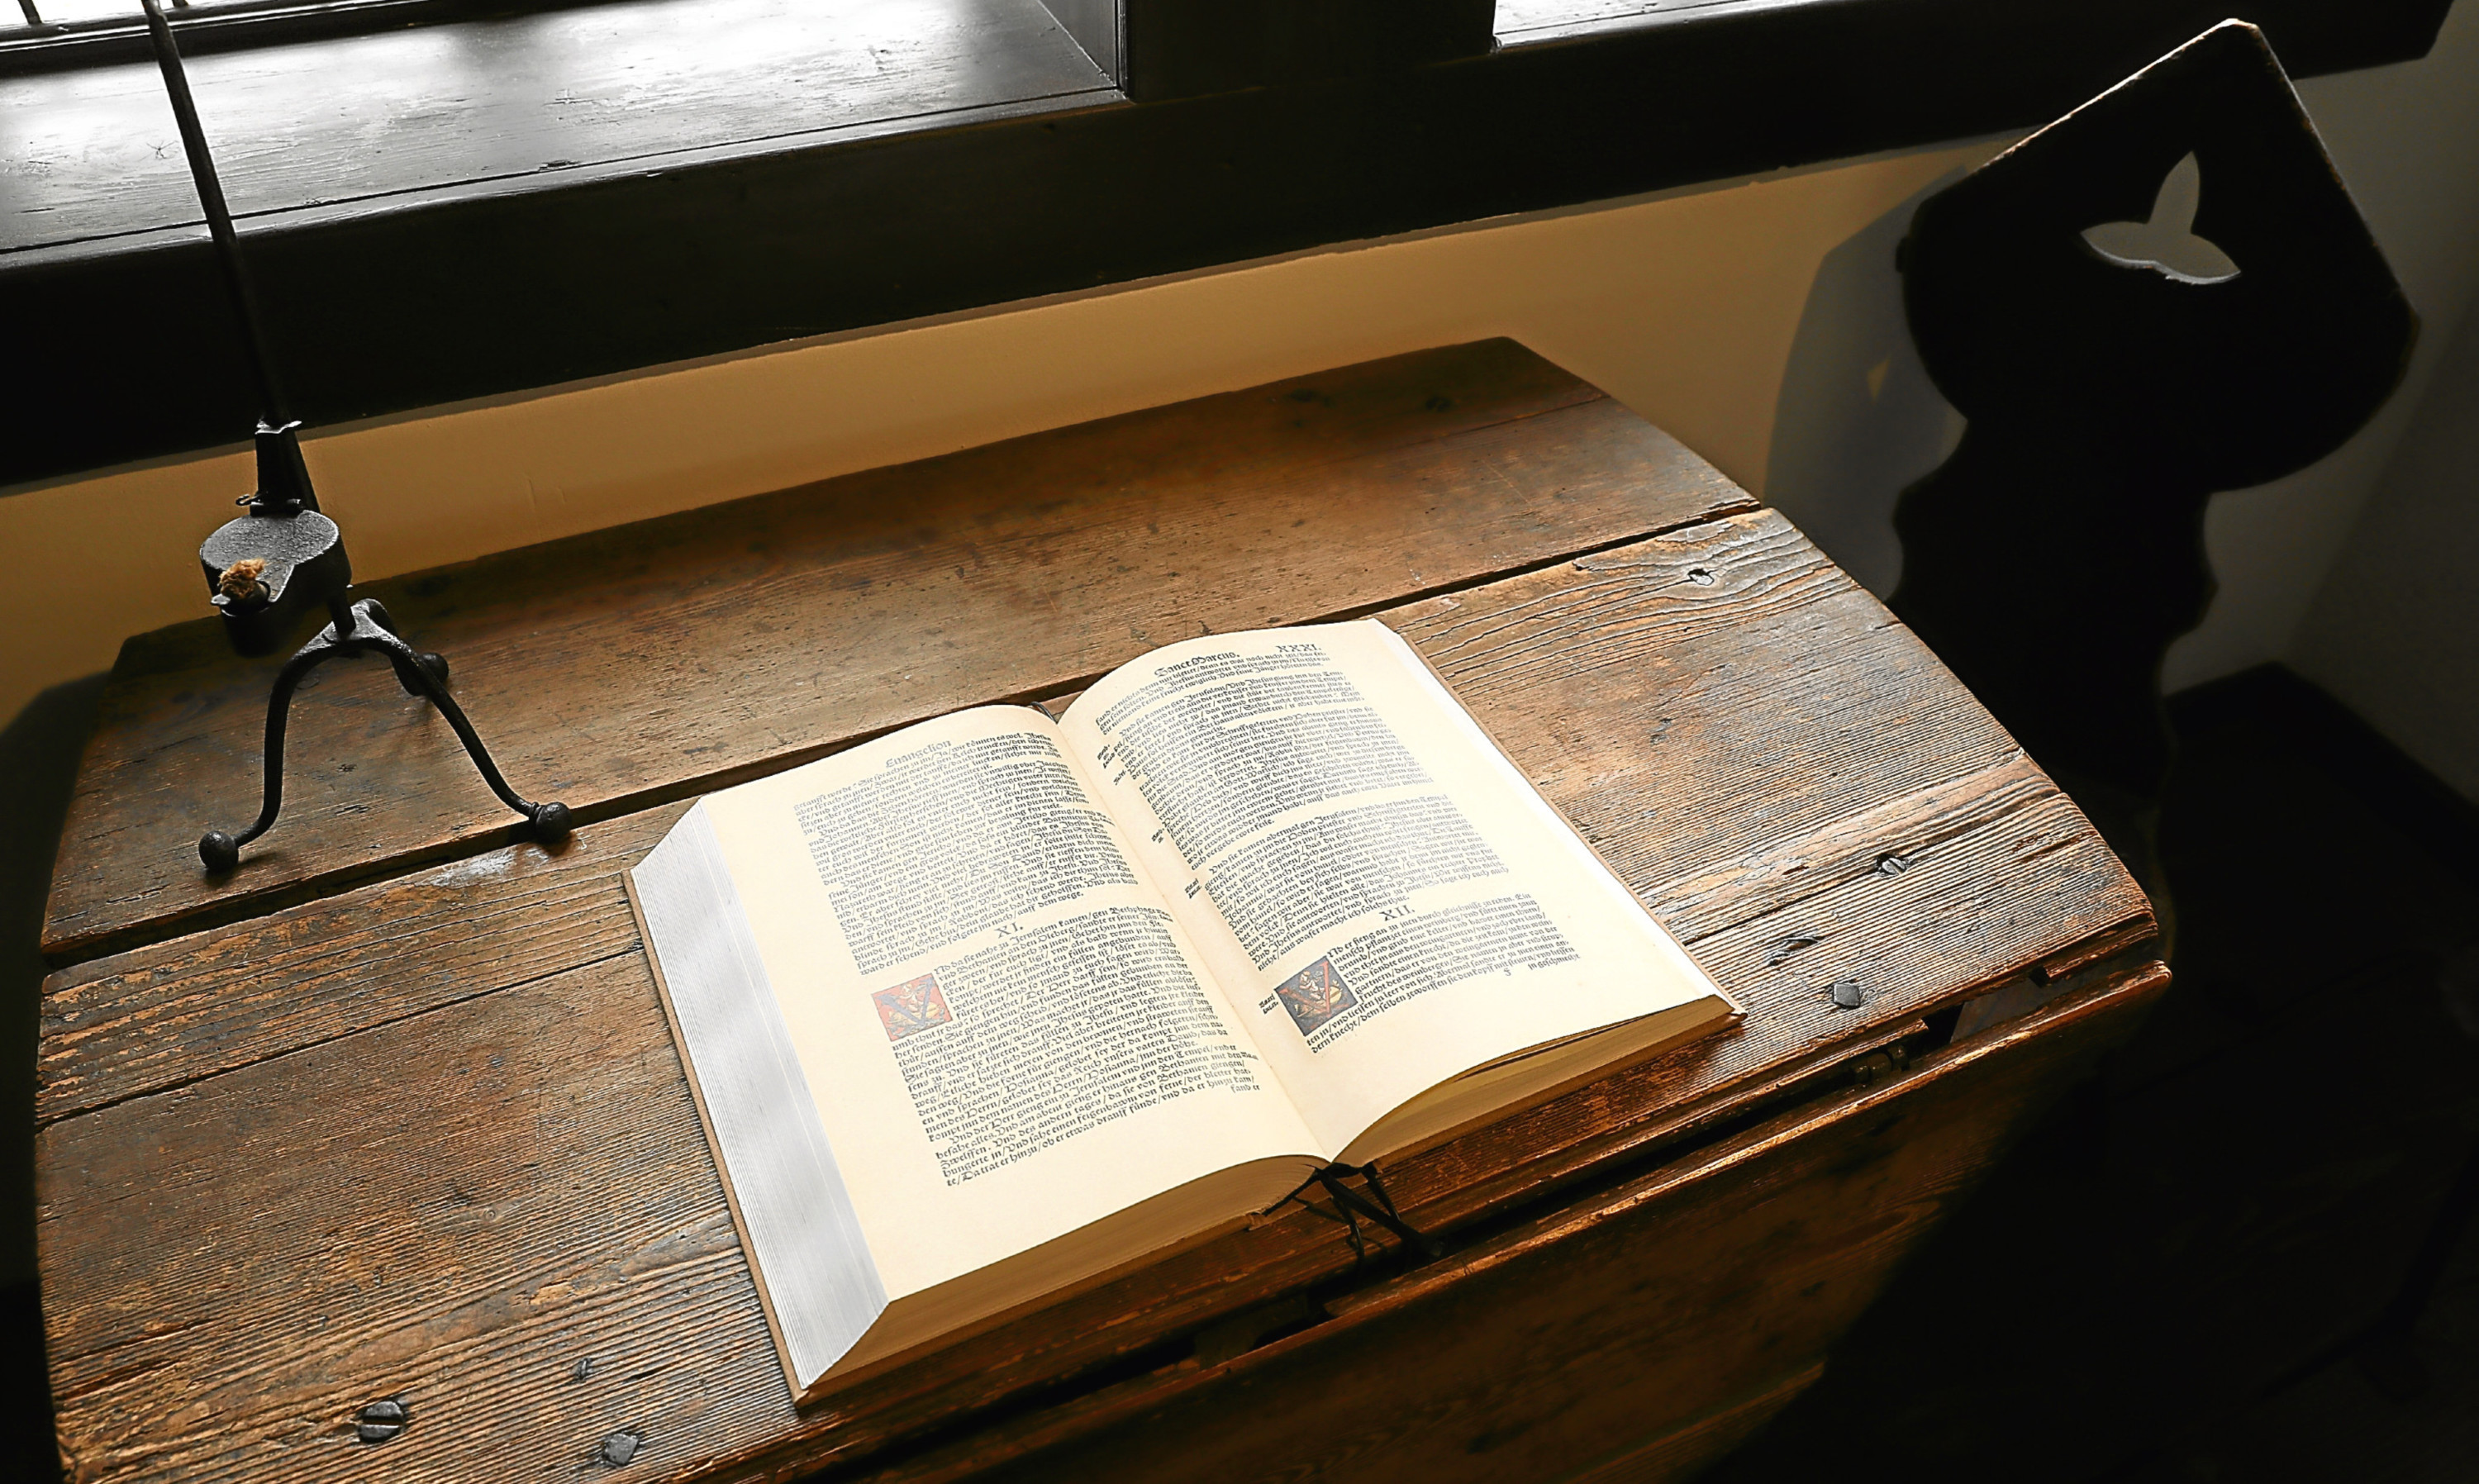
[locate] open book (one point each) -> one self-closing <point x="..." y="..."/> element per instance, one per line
<point x="986" y="1010"/>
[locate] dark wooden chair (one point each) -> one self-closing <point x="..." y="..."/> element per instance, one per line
<point x="2117" y="375"/>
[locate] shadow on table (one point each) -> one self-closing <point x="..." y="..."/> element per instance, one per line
<point x="39" y="754"/>
<point x="2172" y="1279"/>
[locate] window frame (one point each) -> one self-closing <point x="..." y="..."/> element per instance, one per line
<point x="480" y="288"/>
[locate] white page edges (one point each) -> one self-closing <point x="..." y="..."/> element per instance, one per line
<point x="809" y="1253"/>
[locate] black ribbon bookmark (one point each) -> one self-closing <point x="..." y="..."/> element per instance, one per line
<point x="1355" y="1205"/>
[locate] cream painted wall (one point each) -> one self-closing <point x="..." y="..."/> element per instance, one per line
<point x="1684" y="306"/>
<point x="2396" y="630"/>
<point x="2407" y="141"/>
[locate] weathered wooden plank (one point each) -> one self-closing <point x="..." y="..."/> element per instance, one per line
<point x="1569" y="667"/>
<point x="702" y="647"/>
<point x="1711" y="663"/>
<point x="144" y="1022"/>
<point x="455" y="1208"/>
<point x="165" y="1234"/>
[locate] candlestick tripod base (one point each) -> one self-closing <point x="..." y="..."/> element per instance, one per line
<point x="363" y="628"/>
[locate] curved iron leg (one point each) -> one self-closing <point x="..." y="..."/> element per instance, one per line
<point x="221" y="852"/>
<point x="550" y="819"/>
<point x="357" y="629"/>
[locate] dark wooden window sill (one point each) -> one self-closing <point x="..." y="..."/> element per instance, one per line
<point x="491" y="205"/>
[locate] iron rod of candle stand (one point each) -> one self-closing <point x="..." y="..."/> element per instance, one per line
<point x="34" y="17"/>
<point x="272" y="410"/>
<point x="284" y="497"/>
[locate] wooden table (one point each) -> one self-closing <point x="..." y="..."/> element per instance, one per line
<point x="393" y="1111"/>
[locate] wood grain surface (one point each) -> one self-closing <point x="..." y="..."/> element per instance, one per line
<point x="701" y="649"/>
<point x="430" y="1136"/>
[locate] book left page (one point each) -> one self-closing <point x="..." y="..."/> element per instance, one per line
<point x="1005" y="1033"/>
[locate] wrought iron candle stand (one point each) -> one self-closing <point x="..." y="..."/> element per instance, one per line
<point x="266" y="569"/>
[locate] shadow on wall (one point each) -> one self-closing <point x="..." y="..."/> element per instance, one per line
<point x="1857" y="419"/>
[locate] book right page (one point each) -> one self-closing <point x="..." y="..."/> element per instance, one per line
<point x="1383" y="896"/>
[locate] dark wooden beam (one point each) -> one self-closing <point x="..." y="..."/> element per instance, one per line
<point x="1180" y="48"/>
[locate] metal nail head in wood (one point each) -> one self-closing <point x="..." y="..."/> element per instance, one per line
<point x="382" y="1420"/>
